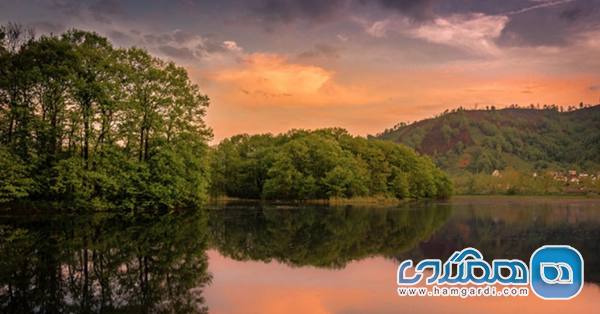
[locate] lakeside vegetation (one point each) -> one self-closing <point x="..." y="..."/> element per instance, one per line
<point x="513" y="182"/>
<point x="321" y="165"/>
<point x="94" y="126"/>
<point x="548" y="140"/>
<point x="532" y="138"/>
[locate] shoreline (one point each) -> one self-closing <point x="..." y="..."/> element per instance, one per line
<point x="366" y="200"/>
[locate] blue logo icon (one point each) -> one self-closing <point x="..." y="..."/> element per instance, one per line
<point x="556" y="272"/>
<point x="465" y="274"/>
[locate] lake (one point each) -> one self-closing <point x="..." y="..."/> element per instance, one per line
<point x="282" y="258"/>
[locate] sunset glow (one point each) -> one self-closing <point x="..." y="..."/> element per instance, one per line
<point x="269" y="66"/>
<point x="255" y="287"/>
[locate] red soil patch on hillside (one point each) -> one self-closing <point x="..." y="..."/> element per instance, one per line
<point x="435" y="140"/>
<point x="464" y="161"/>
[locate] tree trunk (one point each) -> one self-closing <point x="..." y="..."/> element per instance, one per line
<point x="141" y="143"/>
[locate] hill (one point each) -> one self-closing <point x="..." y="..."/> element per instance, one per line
<point x="481" y="141"/>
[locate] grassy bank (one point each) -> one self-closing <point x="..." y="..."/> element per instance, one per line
<point x="355" y="200"/>
<point x="526" y="197"/>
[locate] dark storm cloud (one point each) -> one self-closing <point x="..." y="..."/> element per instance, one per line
<point x="534" y="30"/>
<point x="418" y="10"/>
<point x="554" y="24"/>
<point x="105" y="8"/>
<point x="183" y="37"/>
<point x="68" y="7"/>
<point x="176" y="52"/>
<point x="321" y="50"/>
<point x="324" y="12"/>
<point x="189" y="6"/>
<point x="46" y="27"/>
<point x="289" y="11"/>
<point x="159" y="39"/>
<point x="117" y="35"/>
<point x="213" y="47"/>
<point x="185" y="45"/>
<point x="551" y="25"/>
<point x="575" y="14"/>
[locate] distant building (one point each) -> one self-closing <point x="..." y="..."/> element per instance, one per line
<point x="496" y="173"/>
<point x="572" y="173"/>
<point x="560" y="177"/>
<point x="583" y="175"/>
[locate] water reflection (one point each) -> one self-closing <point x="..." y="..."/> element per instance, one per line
<point x="367" y="286"/>
<point x="278" y="258"/>
<point x="103" y="264"/>
<point x="321" y="236"/>
<point x="514" y="229"/>
<point x="499" y="228"/>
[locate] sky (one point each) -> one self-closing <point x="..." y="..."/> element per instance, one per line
<point x="274" y="65"/>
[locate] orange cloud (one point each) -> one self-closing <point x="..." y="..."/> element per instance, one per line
<point x="269" y="76"/>
<point x="270" y="93"/>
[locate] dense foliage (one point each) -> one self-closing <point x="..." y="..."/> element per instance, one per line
<point x="84" y="122"/>
<point x="322" y="164"/>
<point x="519" y="142"/>
<point x="532" y="139"/>
<point x="522" y="182"/>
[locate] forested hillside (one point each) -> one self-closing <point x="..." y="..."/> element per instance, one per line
<point x="322" y="164"/>
<point x="532" y="139"/>
<point x="84" y="122"/>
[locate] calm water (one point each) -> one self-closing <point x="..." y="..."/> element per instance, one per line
<point x="251" y="258"/>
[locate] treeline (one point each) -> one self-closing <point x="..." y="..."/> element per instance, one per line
<point x="524" y="138"/>
<point x="322" y="164"/>
<point x="84" y="122"/>
<point x="522" y="182"/>
<point x="552" y="107"/>
<point x="91" y="125"/>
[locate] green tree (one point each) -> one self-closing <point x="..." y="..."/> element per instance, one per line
<point x="98" y="126"/>
<point x="14" y="182"/>
<point x="284" y="179"/>
<point x="320" y="164"/>
<point x="446" y="132"/>
<point x="400" y="186"/>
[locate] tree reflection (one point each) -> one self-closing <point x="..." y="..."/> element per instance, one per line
<point x="321" y="236"/>
<point x="103" y="264"/>
<point x="514" y="230"/>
